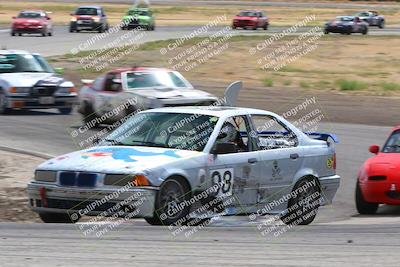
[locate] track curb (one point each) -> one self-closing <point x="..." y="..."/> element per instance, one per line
<point x="26" y="152"/>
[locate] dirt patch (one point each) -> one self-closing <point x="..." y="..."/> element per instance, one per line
<point x="13" y="181"/>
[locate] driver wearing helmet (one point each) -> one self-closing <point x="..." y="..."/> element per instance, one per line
<point x="232" y="135"/>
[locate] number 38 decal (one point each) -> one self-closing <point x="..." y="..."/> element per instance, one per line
<point x="224" y="178"/>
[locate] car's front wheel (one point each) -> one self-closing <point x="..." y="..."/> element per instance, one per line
<point x="51" y="217"/>
<point x="364" y="207"/>
<point x="303" y="205"/>
<point x="365" y="31"/>
<point x="381" y="24"/>
<point x="3" y="103"/>
<point x="171" y="202"/>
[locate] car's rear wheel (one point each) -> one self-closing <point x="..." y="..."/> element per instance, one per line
<point x="265" y="27"/>
<point x="65" y="111"/>
<point x="381" y="24"/>
<point x="169" y="207"/>
<point x="19" y="34"/>
<point x="303" y="207"/>
<point x="12" y="33"/>
<point x="51" y="217"/>
<point x="364" y="207"/>
<point x="365" y="31"/>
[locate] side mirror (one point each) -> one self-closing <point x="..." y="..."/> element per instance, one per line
<point x="59" y="71"/>
<point x="224" y="148"/>
<point x="374" y="149"/>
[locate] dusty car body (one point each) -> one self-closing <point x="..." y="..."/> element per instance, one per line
<point x="178" y="154"/>
<point x="146" y="87"/>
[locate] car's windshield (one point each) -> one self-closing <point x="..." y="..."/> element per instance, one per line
<point x="156" y="79"/>
<point x="29" y="15"/>
<point x="248" y="14"/>
<point x="138" y="13"/>
<point x="87" y="11"/>
<point x="10" y="63"/>
<point x="344" y="18"/>
<point x="167" y="130"/>
<point x="393" y="143"/>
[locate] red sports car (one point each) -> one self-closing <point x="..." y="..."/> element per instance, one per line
<point x="32" y="22"/>
<point x="379" y="178"/>
<point x="252" y="19"/>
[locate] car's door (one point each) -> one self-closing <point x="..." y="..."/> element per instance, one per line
<point x="280" y="155"/>
<point x="238" y="172"/>
<point x="107" y="98"/>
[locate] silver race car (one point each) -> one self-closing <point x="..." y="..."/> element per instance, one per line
<point x="27" y="81"/>
<point x="372" y="18"/>
<point x="162" y="163"/>
<point x="146" y="87"/>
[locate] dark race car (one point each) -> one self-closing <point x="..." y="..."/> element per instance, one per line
<point x="346" y="25"/>
<point x="250" y="19"/>
<point x="378" y="179"/>
<point x="36" y="21"/>
<point x="372" y="18"/>
<point x="89" y="18"/>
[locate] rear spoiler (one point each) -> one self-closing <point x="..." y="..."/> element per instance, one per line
<point x="324" y="136"/>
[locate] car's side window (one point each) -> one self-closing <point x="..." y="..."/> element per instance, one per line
<point x="236" y="130"/>
<point x="272" y="133"/>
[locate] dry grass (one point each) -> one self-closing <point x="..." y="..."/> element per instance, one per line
<point x="351" y="64"/>
<point x="192" y="15"/>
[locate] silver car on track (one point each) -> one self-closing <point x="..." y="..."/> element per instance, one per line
<point x="163" y="163"/>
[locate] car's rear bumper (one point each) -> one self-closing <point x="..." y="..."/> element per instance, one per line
<point x="45" y="197"/>
<point x="382" y="192"/>
<point x="329" y="187"/>
<point x="23" y="102"/>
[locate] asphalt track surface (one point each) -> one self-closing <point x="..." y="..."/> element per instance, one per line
<point x="65" y="42"/>
<point x="337" y="238"/>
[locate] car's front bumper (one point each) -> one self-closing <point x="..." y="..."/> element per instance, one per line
<point x="382" y="192"/>
<point x="329" y="187"/>
<point x="338" y="29"/>
<point x="28" y="29"/>
<point x="47" y="197"/>
<point x="86" y="25"/>
<point x="26" y="102"/>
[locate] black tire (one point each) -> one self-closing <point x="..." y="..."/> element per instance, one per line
<point x="71" y="30"/>
<point x="365" y="31"/>
<point x="173" y="190"/>
<point x="50" y="33"/>
<point x="233" y="27"/>
<point x="381" y="24"/>
<point x="298" y="213"/>
<point x="364" y="207"/>
<point x="12" y="33"/>
<point x="3" y="103"/>
<point x="78" y="30"/>
<point x="65" y="111"/>
<point x="44" y="33"/>
<point x="50" y="217"/>
<point x="88" y="114"/>
<point x="326" y="32"/>
<point x="265" y="27"/>
<point x="19" y="34"/>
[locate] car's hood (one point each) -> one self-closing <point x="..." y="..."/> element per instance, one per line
<point x="129" y="17"/>
<point x="245" y="18"/>
<point x="24" y="79"/>
<point x="383" y="163"/>
<point x="172" y="93"/>
<point x="117" y="159"/>
<point x="26" y="20"/>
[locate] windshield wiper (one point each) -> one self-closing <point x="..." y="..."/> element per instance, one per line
<point x="148" y="143"/>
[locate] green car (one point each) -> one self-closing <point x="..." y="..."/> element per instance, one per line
<point x="139" y="17"/>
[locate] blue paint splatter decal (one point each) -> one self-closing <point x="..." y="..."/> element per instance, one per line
<point x="125" y="154"/>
